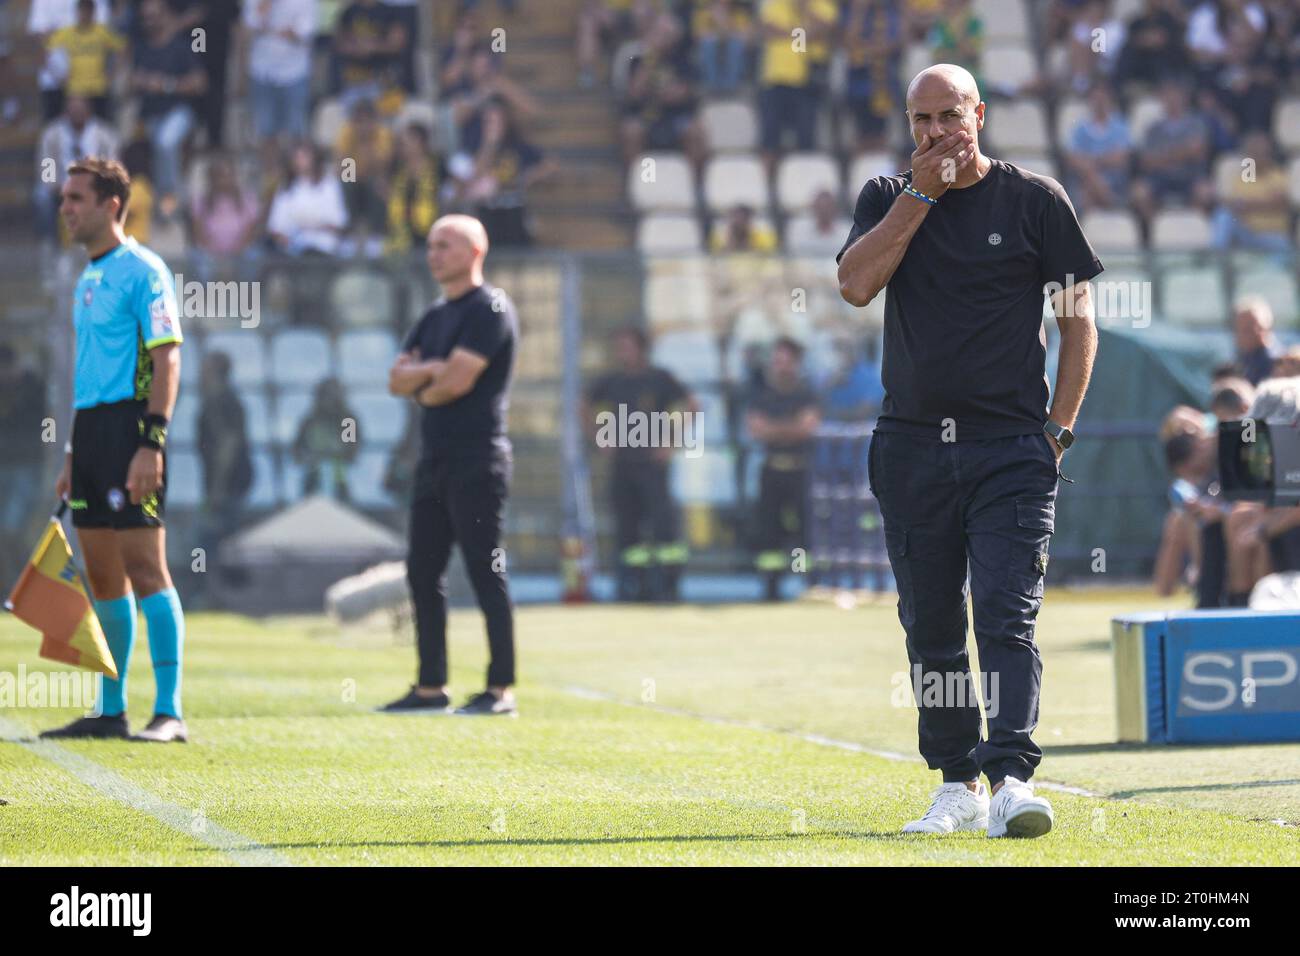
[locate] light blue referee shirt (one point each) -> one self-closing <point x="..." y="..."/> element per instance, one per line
<point x="125" y="305"/>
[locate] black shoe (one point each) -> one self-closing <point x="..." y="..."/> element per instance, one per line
<point x="101" y="727"/>
<point x="164" y="729"/>
<point x="413" y="703"/>
<point x="487" y="704"/>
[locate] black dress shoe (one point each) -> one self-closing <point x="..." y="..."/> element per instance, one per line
<point x="413" y="703"/>
<point x="105" y="727"/>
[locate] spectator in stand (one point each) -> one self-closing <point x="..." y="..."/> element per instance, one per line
<point x="823" y="232"/>
<point x="456" y="62"/>
<point x="1096" y="41"/>
<point x="319" y="448"/>
<point x="1174" y="156"/>
<point x="1253" y="332"/>
<point x="167" y="75"/>
<point x="371" y="42"/>
<point x="1282" y="45"/>
<point x="1100" y="156"/>
<point x="278" y="37"/>
<point x="308" y="214"/>
<point x="853" y="392"/>
<point x="1154" y="46"/>
<point x="659" y="112"/>
<point x="414" y="194"/>
<point x="91" y="49"/>
<point x="602" y="25"/>
<point x="137" y="157"/>
<point x="1253" y="213"/>
<point x="958" y="37"/>
<point x="224" y="218"/>
<point x="722" y="31"/>
<point x="1210" y="31"/>
<point x="788" y="96"/>
<point x="368" y="143"/>
<point x="1246" y="82"/>
<point x="75" y="134"/>
<point x="493" y="183"/>
<point x="740" y="233"/>
<point x="873" y="32"/>
<point x="217" y="19"/>
<point x="23" y="409"/>
<point x="227" y="463"/>
<point x="44" y="18"/>
<point x="485" y="86"/>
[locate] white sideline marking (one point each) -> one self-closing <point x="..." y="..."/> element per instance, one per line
<point x="239" y="848"/>
<point x="819" y="739"/>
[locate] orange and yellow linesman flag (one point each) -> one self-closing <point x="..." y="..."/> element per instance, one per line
<point x="51" y="598"/>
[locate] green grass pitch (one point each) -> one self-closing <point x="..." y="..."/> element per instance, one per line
<point x="689" y="735"/>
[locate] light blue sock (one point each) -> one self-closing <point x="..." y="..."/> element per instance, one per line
<point x="117" y="619"/>
<point x="162" y="614"/>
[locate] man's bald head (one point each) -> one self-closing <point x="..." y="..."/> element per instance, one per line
<point x="465" y="228"/>
<point x="944" y="78"/>
<point x="457" y="245"/>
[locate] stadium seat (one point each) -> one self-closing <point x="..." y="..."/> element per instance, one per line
<point x="1126" y="10"/>
<point x="381" y="418"/>
<point x="801" y="176"/>
<point x="1123" y="296"/>
<point x="660" y="181"/>
<point x="1227" y="172"/>
<point x="300" y="357"/>
<point x="265" y="491"/>
<point x="1144" y="111"/>
<point x="362" y="297"/>
<point x="1041" y="163"/>
<point x="1004" y="21"/>
<point x="1274" y="284"/>
<point x="1071" y="111"/>
<point x="676" y="297"/>
<point x="247" y="355"/>
<point x="1286" y="123"/>
<point x="326" y="123"/>
<point x="291" y="407"/>
<point x="417" y="111"/>
<point x="669" y="233"/>
<point x="729" y="180"/>
<point x="364" y="358"/>
<point x="691" y="356"/>
<point x="713" y="418"/>
<point x="366" y="480"/>
<point x="731" y="126"/>
<point x="1293" y="181"/>
<point x="1112" y="230"/>
<point x="184" y="479"/>
<point x="257" y="417"/>
<point x="867" y="166"/>
<point x="1018" y="127"/>
<point x="708" y="479"/>
<point x="917" y="58"/>
<point x="183" y="432"/>
<point x="1007" y="68"/>
<point x="802" y="238"/>
<point x="1193" y="297"/>
<point x="1180" y="230"/>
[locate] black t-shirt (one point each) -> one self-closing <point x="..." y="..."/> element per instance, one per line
<point x="784" y="407"/>
<point x="648" y="391"/>
<point x="373" y="22"/>
<point x="473" y="425"/>
<point x="964" y="336"/>
<point x="175" y="59"/>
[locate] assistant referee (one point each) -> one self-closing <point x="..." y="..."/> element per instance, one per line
<point x="965" y="458"/>
<point x="457" y="364"/>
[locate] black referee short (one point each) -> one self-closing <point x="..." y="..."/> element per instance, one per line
<point x="104" y="440"/>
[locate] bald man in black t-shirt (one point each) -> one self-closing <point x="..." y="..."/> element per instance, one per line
<point x="966" y="453"/>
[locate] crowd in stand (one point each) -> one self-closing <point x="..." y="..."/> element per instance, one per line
<point x="332" y="146"/>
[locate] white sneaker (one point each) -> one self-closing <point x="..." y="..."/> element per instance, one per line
<point x="1016" y="812"/>
<point x="955" y="807"/>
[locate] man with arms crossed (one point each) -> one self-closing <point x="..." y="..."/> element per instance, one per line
<point x="127" y="376"/>
<point x="966" y="455"/>
<point x="457" y="363"/>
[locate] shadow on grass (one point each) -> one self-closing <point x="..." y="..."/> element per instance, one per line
<point x="1065" y="750"/>
<point x="1196" y="788"/>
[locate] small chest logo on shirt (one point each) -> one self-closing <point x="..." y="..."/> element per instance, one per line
<point x="86" y="299"/>
<point x="995" y="238"/>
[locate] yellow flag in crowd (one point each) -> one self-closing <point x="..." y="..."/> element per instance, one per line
<point x="50" y="597"/>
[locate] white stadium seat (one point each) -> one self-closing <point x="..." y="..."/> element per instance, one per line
<point x="1072" y="111"/>
<point x="660" y="181"/>
<point x="247" y="355"/>
<point x="1274" y="284"/>
<point x="669" y="233"/>
<point x="1144" y="111"/>
<point x="257" y="417"/>
<point x="1003" y="20"/>
<point x="801" y="176"/>
<point x="184" y="428"/>
<point x="803" y="239"/>
<point x="732" y="180"/>
<point x="265" y="491"/>
<point x="865" y="167"/>
<point x="184" y="479"/>
<point x="1293" y="181"/>
<point x="693" y="356"/>
<point x="1041" y="163"/>
<point x="676" y="297"/>
<point x="362" y="297"/>
<point x="327" y="122"/>
<point x="1007" y="68"/>
<point x="366" y="480"/>
<point x="1019" y="126"/>
<point x="300" y="357"/>
<point x="1193" y="297"/>
<point x="1112" y="230"/>
<point x="1180" y="230"/>
<point x="291" y="406"/>
<point x="1286" y="123"/>
<point x="364" y="358"/>
<point x="381" y="418"/>
<point x="730" y="125"/>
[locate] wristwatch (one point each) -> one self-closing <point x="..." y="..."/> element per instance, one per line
<point x="1064" y="437"/>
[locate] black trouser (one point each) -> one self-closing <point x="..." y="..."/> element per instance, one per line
<point x="779" y="520"/>
<point x="650" y="555"/>
<point x="989" y="505"/>
<point x="460" y="501"/>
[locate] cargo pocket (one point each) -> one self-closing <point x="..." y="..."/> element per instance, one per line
<point x="899" y="563"/>
<point x="1035" y="522"/>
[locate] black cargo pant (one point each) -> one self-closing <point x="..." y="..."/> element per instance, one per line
<point x="988" y="506"/>
<point x="460" y="501"/>
<point x="646" y="521"/>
